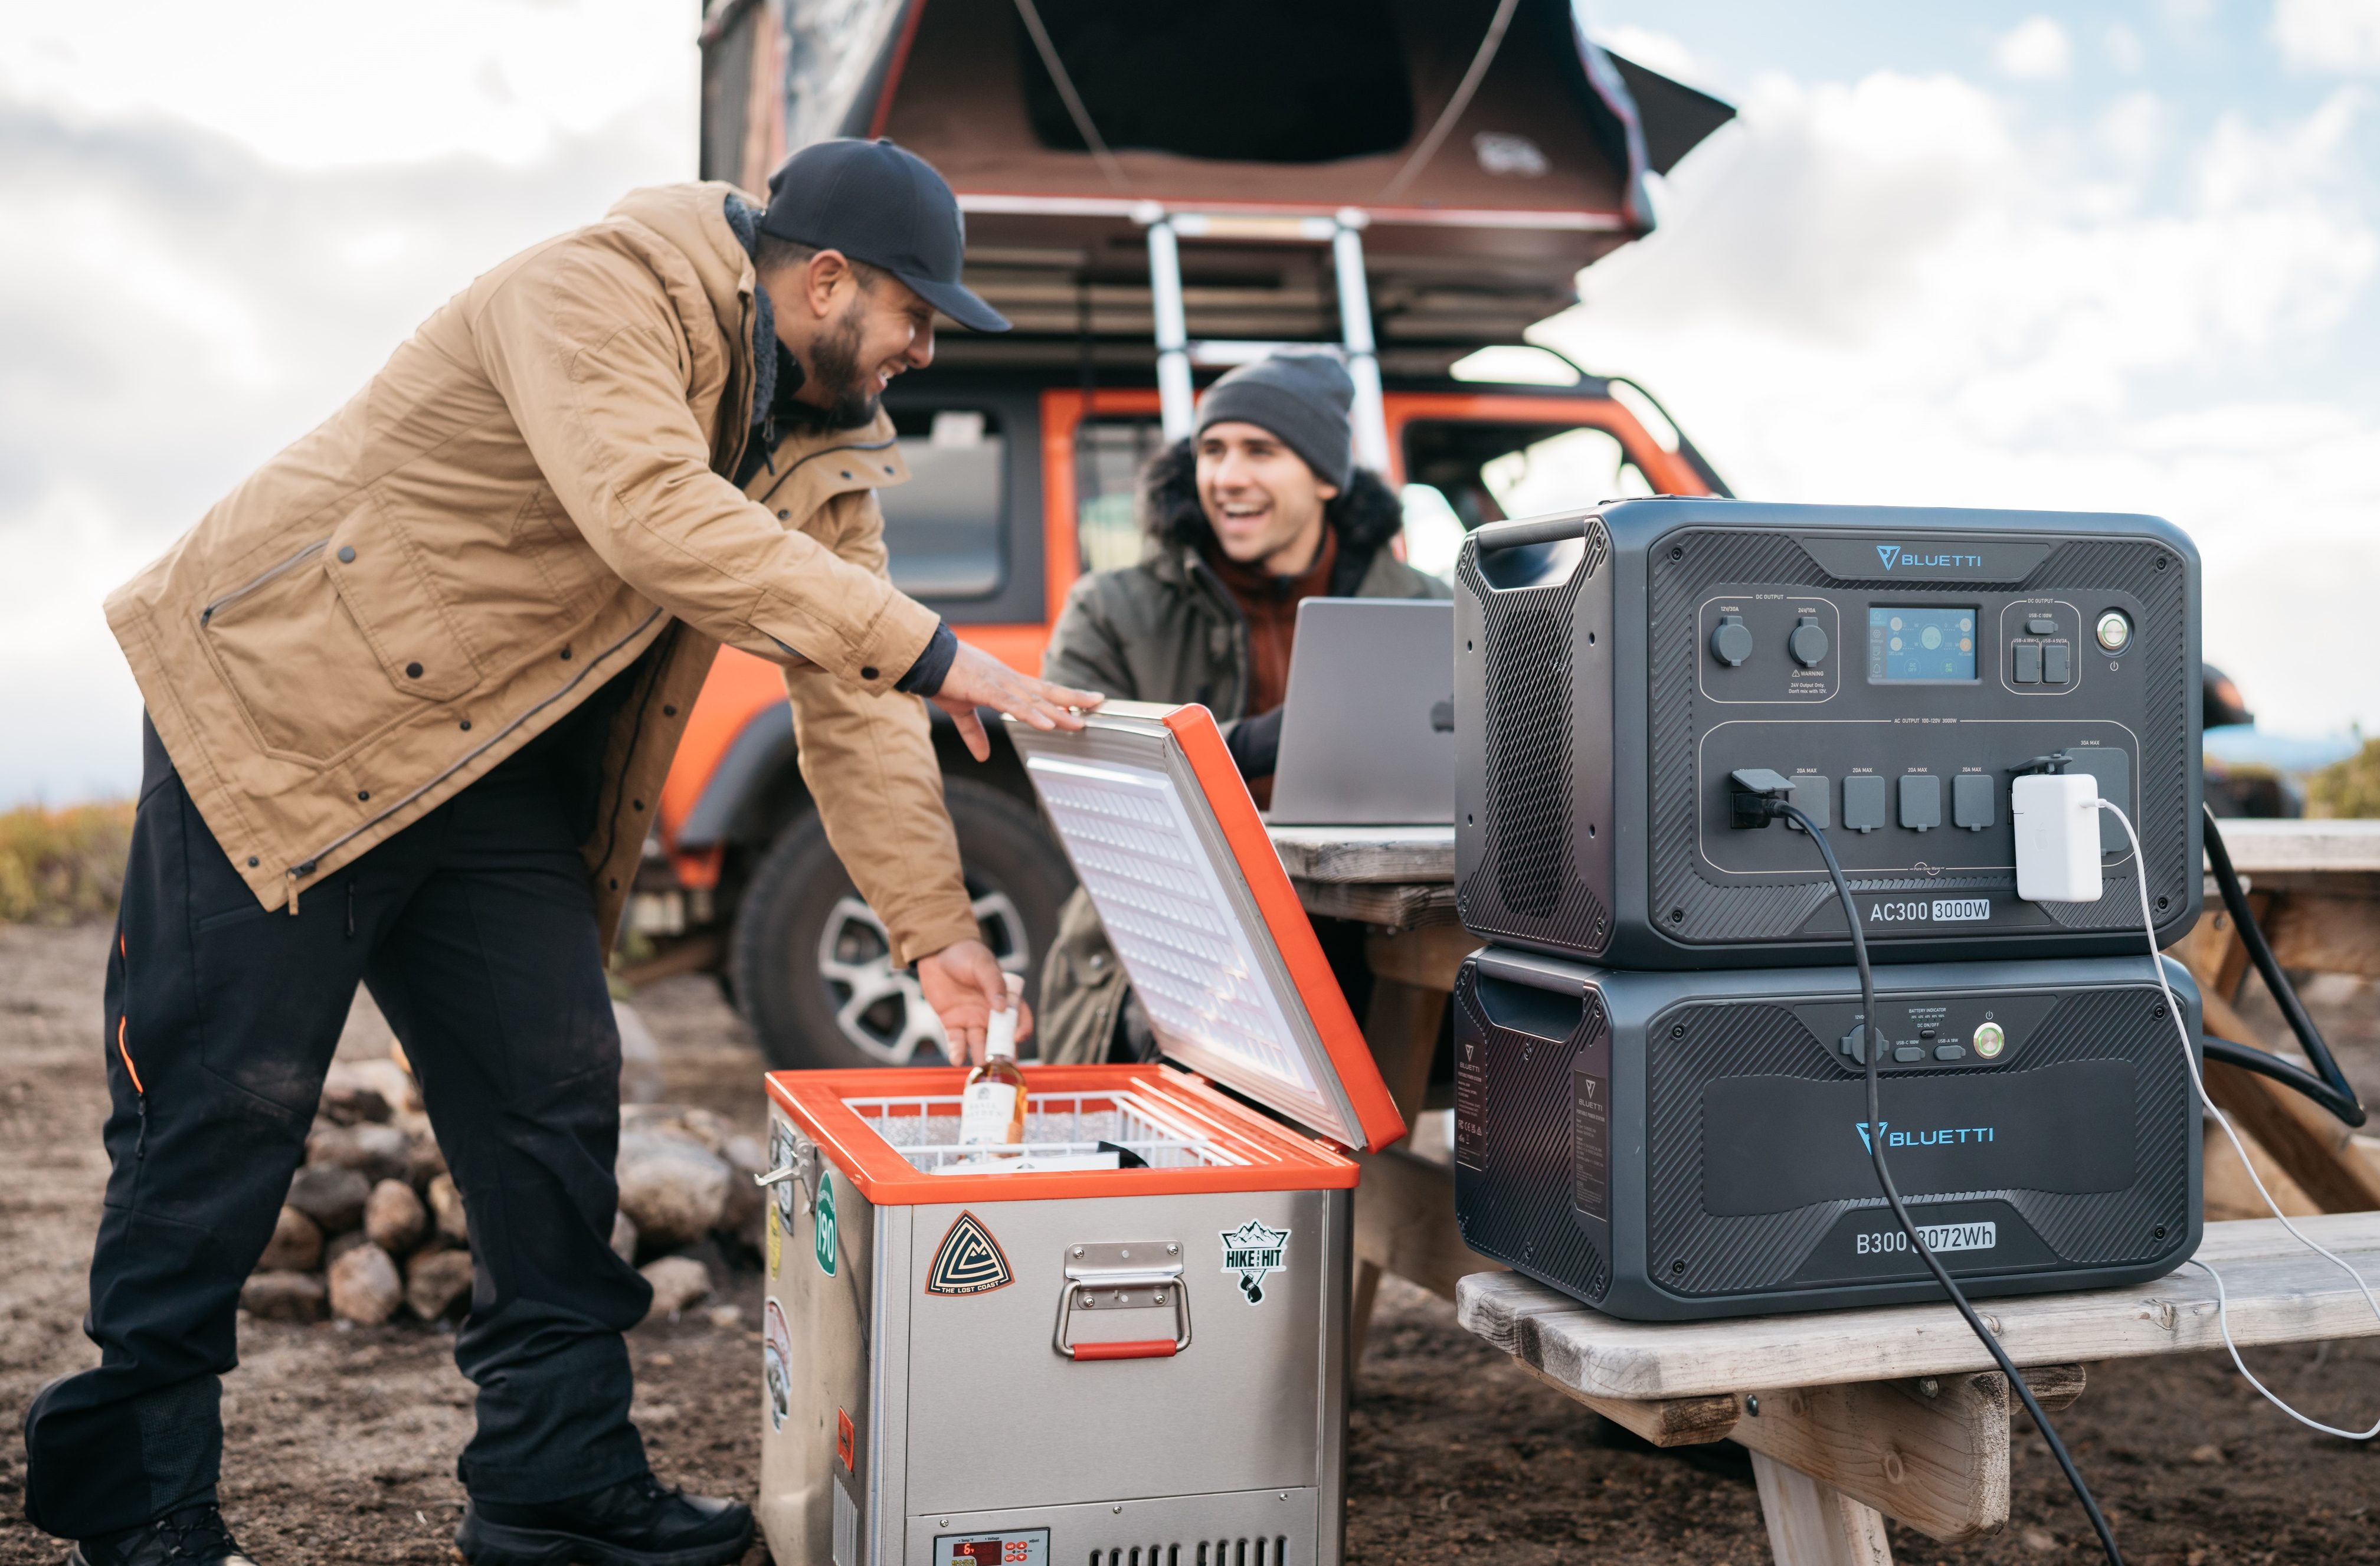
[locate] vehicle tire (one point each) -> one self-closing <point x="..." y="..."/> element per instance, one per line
<point x="810" y="966"/>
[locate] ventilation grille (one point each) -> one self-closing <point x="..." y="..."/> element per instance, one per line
<point x="1259" y="1552"/>
<point x="1526" y="885"/>
<point x="1528" y="757"/>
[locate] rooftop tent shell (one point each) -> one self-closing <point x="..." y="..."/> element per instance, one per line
<point x="1475" y="221"/>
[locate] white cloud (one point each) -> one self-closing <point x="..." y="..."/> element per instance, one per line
<point x="2124" y="51"/>
<point x="2036" y="48"/>
<point x="2131" y="130"/>
<point x="193" y="298"/>
<point x="1889" y="292"/>
<point x="2328" y="35"/>
<point x="325" y="83"/>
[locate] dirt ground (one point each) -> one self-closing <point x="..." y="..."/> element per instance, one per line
<point x="341" y="1442"/>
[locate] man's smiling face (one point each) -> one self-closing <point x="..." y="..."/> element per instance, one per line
<point x="868" y="326"/>
<point x="1262" y="501"/>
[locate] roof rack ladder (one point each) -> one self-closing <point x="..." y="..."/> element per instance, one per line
<point x="1175" y="352"/>
<point x="1173" y="329"/>
<point x="1356" y="327"/>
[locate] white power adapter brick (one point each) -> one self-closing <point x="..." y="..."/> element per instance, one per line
<point x="2057" y="821"/>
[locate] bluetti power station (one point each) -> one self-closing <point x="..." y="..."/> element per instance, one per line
<point x="1669" y="1146"/>
<point x="1663" y="1061"/>
<point x="1614" y="668"/>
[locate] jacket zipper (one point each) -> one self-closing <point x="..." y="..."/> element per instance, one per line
<point x="1198" y="570"/>
<point x="306" y="867"/>
<point x="241" y="591"/>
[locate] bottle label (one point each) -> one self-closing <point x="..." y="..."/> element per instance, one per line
<point x="986" y="1112"/>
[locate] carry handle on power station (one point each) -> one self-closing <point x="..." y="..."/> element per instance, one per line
<point x="1493" y="536"/>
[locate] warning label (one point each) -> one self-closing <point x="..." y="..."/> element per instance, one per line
<point x="1590" y="1144"/>
<point x="1470" y="1102"/>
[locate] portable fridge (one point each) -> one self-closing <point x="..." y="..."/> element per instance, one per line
<point x="1136" y="1367"/>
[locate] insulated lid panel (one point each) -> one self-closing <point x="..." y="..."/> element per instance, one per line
<point x="1169" y="847"/>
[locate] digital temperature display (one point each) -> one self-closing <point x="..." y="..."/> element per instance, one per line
<point x="1018" y="1546"/>
<point x="1920" y="645"/>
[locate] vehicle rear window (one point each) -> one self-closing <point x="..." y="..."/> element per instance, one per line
<point x="1108" y="458"/>
<point x="944" y="528"/>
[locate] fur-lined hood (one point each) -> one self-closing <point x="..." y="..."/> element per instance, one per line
<point x="1366" y="516"/>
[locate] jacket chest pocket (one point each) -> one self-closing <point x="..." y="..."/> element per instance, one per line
<point x="385" y="585"/>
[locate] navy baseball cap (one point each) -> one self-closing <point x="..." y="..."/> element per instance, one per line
<point x="884" y="205"/>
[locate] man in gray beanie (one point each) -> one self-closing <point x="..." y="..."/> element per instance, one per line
<point x="1261" y="508"/>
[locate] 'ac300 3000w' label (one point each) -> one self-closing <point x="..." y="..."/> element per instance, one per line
<point x="1929" y="910"/>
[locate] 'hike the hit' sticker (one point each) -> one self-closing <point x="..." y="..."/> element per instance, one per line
<point x="1252" y="1250"/>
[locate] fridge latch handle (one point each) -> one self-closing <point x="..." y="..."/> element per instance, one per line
<point x="800" y="1171"/>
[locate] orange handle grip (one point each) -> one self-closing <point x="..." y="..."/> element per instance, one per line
<point x="1137" y="1348"/>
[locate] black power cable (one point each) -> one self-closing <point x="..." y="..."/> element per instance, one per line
<point x="1758" y="797"/>
<point x="2330" y="1088"/>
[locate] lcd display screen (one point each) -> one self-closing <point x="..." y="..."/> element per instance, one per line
<point x="1928" y="644"/>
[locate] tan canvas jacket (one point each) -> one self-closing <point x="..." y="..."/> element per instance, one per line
<point x="525" y="497"/>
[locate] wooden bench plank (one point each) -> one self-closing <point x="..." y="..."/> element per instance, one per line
<point x="1422" y="853"/>
<point x="2280" y="1293"/>
<point x="1393" y="904"/>
<point x="2259" y="846"/>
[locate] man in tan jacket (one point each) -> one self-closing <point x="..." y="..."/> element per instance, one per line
<point x="412" y="688"/>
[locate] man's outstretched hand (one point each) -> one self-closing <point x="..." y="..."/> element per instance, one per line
<point x="964" y="983"/>
<point x="977" y="679"/>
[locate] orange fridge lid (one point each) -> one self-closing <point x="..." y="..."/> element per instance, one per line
<point x="1166" y="840"/>
<point x="1248" y="1152"/>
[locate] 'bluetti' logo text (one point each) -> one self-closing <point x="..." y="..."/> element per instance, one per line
<point x="1894" y="556"/>
<point x="1950" y="1137"/>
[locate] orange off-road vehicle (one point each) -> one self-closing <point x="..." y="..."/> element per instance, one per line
<point x="1416" y="181"/>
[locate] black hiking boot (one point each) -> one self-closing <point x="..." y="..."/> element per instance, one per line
<point x="194" y="1535"/>
<point x="639" y="1522"/>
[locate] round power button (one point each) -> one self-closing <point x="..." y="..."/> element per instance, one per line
<point x="1989" y="1040"/>
<point x="2115" y="630"/>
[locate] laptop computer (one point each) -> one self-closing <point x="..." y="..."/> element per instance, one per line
<point x="1368" y="726"/>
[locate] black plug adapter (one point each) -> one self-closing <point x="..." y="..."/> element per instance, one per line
<point x="1756" y="796"/>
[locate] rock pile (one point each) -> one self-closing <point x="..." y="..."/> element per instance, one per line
<point x="373" y="1224"/>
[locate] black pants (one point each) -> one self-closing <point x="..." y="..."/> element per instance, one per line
<point x="475" y="930"/>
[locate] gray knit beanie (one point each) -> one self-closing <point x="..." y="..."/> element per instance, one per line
<point x="1302" y="398"/>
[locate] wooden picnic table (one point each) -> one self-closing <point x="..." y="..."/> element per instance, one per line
<point x="2314" y="887"/>
<point x="1856" y="1415"/>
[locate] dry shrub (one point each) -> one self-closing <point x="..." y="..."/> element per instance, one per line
<point x="2348" y="789"/>
<point x="60" y="866"/>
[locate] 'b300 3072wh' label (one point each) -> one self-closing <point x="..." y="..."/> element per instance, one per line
<point x="1938" y="1237"/>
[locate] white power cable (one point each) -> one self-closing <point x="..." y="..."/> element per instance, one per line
<point x="2222" y="1299"/>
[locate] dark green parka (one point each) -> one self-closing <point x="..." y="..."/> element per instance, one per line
<point x="1167" y="630"/>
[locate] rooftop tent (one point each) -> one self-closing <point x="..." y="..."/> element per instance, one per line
<point x="1491" y="149"/>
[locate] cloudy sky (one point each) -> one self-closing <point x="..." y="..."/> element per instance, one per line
<point x="2118" y="257"/>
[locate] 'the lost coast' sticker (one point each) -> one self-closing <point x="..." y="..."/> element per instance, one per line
<point x="968" y="1260"/>
<point x="1252" y="1250"/>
